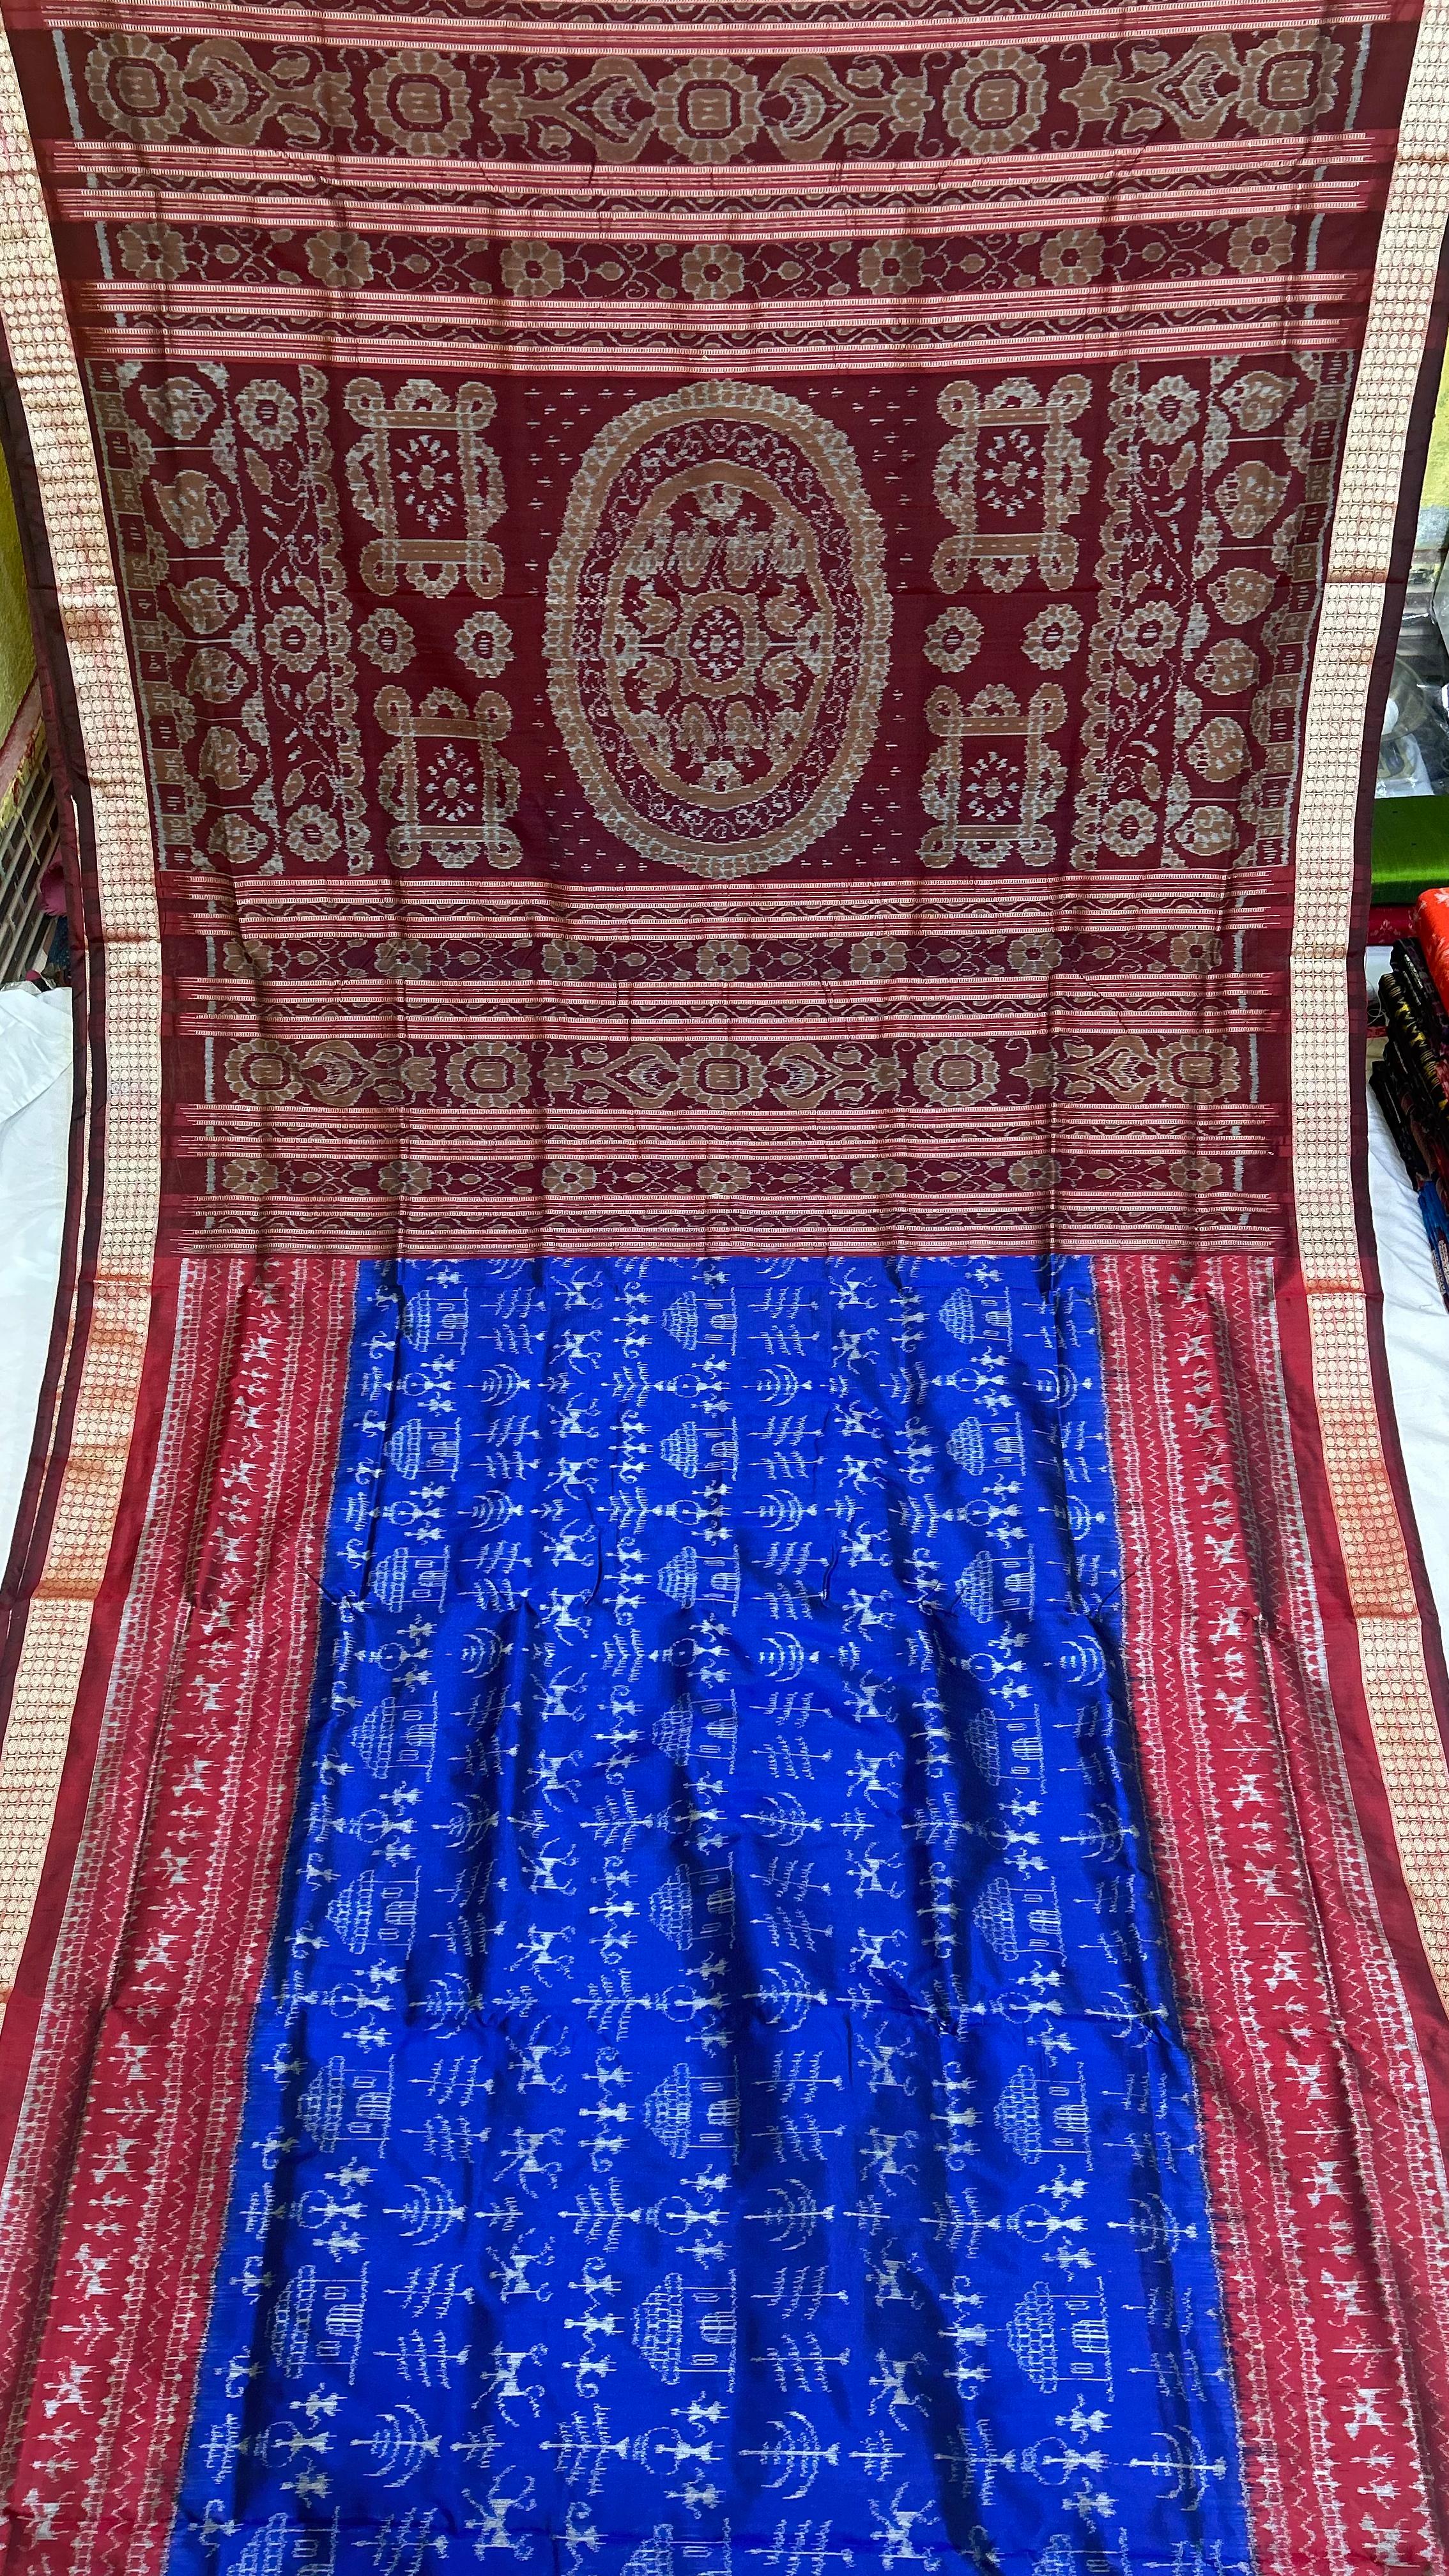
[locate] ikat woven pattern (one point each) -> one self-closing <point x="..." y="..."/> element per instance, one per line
<point x="722" y="1827"/>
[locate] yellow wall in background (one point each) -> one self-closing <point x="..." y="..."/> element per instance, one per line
<point x="17" y="650"/>
<point x="1436" y="471"/>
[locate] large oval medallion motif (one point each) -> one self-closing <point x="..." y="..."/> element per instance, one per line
<point x="718" y="627"/>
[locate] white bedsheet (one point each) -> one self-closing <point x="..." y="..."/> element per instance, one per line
<point x="35" y="1068"/>
<point x="1416" y="1338"/>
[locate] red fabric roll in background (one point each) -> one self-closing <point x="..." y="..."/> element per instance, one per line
<point x="1431" y="929"/>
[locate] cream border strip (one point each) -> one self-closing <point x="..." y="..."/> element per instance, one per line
<point x="1381" y="1591"/>
<point x="42" y="354"/>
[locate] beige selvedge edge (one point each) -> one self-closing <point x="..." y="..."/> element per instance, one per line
<point x="1325" y="1075"/>
<point x="41" y="353"/>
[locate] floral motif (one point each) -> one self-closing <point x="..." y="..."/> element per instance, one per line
<point x="152" y="252"/>
<point x="1260" y="246"/>
<point x="569" y="960"/>
<point x="1073" y="258"/>
<point x="293" y="638"/>
<point x="1290" y="81"/>
<point x="722" y="1075"/>
<point x="953" y="641"/>
<point x="1040" y="955"/>
<point x="708" y="109"/>
<point x="1149" y="746"/>
<point x="957" y="1073"/>
<point x="1147" y="632"/>
<point x="419" y="101"/>
<point x="1039" y="1173"/>
<point x="1198" y="1069"/>
<point x="988" y="101"/>
<point x="532" y="268"/>
<point x="483" y="644"/>
<point x="1196" y="952"/>
<point x="1052" y="637"/>
<point x="1129" y="828"/>
<point x="312" y="835"/>
<point x="137" y="87"/>
<point x="875" y="957"/>
<point x="892" y="267"/>
<point x="339" y="259"/>
<point x="995" y="100"/>
<point x="1284" y="86"/>
<point x="403" y="957"/>
<point x="268" y="412"/>
<point x="143" y="90"/>
<point x="387" y="640"/>
<point x="489" y="1074"/>
<point x="743" y="701"/>
<point x="717" y="627"/>
<point x="251" y="1173"/>
<point x="712" y="271"/>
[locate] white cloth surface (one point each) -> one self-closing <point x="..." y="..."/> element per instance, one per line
<point x="1416" y="1338"/>
<point x="35" y="1072"/>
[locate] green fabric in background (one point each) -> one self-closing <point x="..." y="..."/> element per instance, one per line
<point x="17" y="649"/>
<point x="1410" y="846"/>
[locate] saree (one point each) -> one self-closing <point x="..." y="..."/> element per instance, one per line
<point x="724" y="1841"/>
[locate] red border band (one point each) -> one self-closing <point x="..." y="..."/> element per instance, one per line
<point x="1326" y="2178"/>
<point x="185" y="1760"/>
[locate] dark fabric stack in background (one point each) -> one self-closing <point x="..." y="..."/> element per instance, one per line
<point x="1410" y="1078"/>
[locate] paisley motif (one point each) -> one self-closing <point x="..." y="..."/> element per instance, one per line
<point x="718" y="627"/>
